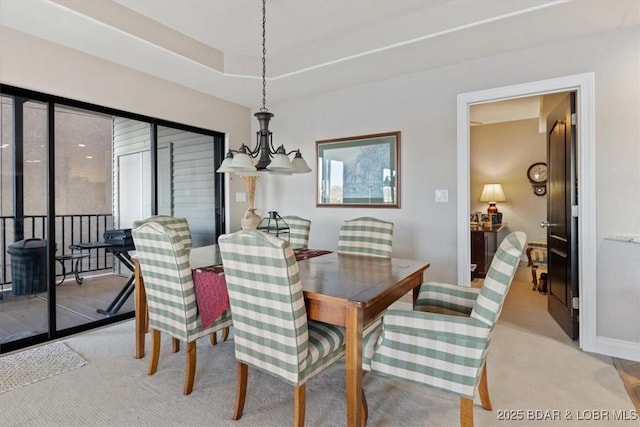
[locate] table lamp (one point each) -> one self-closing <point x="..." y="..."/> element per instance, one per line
<point x="492" y="193"/>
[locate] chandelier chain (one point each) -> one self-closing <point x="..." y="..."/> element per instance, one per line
<point x="264" y="55"/>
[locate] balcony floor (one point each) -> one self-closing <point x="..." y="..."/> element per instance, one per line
<point x="25" y="315"/>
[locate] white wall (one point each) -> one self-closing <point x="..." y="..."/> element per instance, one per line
<point x="32" y="63"/>
<point x="423" y="107"/>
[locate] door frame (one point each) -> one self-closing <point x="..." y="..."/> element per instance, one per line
<point x="584" y="86"/>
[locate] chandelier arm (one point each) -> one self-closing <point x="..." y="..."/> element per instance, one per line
<point x="250" y="152"/>
<point x="272" y="149"/>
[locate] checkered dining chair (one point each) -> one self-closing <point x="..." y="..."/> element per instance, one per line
<point x="271" y="329"/>
<point x="171" y="299"/>
<point x="299" y="229"/>
<point x="447" y="350"/>
<point x="180" y="226"/>
<point x="366" y="236"/>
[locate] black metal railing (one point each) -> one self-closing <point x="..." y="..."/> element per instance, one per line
<point x="70" y="230"/>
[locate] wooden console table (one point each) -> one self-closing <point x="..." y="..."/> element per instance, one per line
<point x="484" y="243"/>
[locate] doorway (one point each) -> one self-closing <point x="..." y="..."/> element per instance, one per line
<point x="583" y="84"/>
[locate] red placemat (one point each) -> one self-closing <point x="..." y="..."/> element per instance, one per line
<point x="308" y="253"/>
<point x="211" y="293"/>
<point x="211" y="287"/>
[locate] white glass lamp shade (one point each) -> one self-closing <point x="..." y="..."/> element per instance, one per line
<point x="225" y="166"/>
<point x="242" y="163"/>
<point x="280" y="163"/>
<point x="299" y="165"/>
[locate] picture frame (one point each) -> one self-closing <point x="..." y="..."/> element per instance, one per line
<point x="359" y="171"/>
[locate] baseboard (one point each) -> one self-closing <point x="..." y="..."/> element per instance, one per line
<point x="618" y="348"/>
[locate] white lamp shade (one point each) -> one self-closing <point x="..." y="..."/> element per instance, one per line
<point x="242" y="163"/>
<point x="280" y="163"/>
<point x="299" y="165"/>
<point x="492" y="193"/>
<point x="225" y="166"/>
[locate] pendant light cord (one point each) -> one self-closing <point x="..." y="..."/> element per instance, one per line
<point x="264" y="55"/>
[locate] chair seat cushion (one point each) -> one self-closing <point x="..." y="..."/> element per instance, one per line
<point x="326" y="345"/>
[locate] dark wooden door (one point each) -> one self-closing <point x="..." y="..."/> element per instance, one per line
<point x="562" y="222"/>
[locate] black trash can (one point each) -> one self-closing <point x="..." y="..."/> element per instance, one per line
<point x="28" y="266"/>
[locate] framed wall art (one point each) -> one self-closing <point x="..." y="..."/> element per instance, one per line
<point x="359" y="171"/>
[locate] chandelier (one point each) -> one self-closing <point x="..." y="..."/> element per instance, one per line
<point x="264" y="157"/>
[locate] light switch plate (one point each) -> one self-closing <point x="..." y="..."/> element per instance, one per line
<point x="442" y="196"/>
<point x="241" y="196"/>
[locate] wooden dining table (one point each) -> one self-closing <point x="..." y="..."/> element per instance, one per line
<point x="344" y="290"/>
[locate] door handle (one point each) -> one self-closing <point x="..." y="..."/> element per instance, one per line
<point x="545" y="224"/>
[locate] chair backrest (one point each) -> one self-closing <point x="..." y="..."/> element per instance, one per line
<point x="299" y="229"/>
<point x="164" y="262"/>
<point x="267" y="304"/>
<point x="494" y="289"/>
<point x="180" y="225"/>
<point x="366" y="236"/>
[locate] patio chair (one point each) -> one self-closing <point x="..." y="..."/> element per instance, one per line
<point x="171" y="300"/>
<point x="447" y="352"/>
<point x="366" y="236"/>
<point x="271" y="329"/>
<point x="299" y="229"/>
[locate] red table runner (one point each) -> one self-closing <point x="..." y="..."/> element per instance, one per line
<point x="211" y="288"/>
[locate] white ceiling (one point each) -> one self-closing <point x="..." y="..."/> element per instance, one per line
<point x="312" y="46"/>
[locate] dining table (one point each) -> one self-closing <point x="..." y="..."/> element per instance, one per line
<point x="350" y="291"/>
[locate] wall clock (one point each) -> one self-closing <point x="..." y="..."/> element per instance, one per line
<point x="537" y="174"/>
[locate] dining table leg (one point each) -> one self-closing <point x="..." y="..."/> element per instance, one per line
<point x="140" y="308"/>
<point x="353" y="365"/>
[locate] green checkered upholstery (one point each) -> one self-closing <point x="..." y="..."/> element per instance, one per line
<point x="435" y="296"/>
<point x="171" y="299"/>
<point x="443" y="351"/>
<point x="366" y="236"/>
<point x="271" y="330"/>
<point x="299" y="229"/>
<point x="180" y="225"/>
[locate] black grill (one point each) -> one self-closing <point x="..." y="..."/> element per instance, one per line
<point x="120" y="238"/>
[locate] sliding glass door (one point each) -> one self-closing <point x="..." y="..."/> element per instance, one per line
<point x="82" y="173"/>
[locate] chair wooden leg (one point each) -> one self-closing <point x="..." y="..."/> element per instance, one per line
<point x="155" y="352"/>
<point x="225" y="333"/>
<point x="483" y="389"/>
<point x="175" y="345"/>
<point x="300" y="404"/>
<point x="365" y="409"/>
<point x="213" y="338"/>
<point x="241" y="390"/>
<point x="190" y="373"/>
<point x="466" y="412"/>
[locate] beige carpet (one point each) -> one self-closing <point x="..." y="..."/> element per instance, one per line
<point x="532" y="366"/>
<point x="36" y="364"/>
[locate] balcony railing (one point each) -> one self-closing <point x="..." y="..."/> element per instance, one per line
<point x="70" y="230"/>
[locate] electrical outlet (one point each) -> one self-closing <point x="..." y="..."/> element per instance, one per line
<point x="442" y="196"/>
